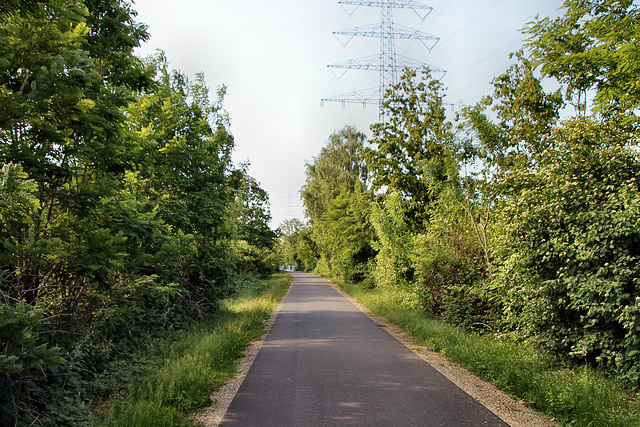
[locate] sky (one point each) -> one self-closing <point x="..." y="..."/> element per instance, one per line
<point x="273" y="54"/>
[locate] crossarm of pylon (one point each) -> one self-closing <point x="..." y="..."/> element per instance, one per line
<point x="399" y="32"/>
<point x="402" y="32"/>
<point x="373" y="63"/>
<point x="365" y="63"/>
<point x="403" y="62"/>
<point x="364" y="97"/>
<point x="397" y="4"/>
<point x="364" y="31"/>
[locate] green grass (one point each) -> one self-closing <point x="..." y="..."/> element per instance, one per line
<point x="577" y="397"/>
<point x="197" y="365"/>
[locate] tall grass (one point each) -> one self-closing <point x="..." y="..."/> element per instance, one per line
<point x="201" y="362"/>
<point x="579" y="397"/>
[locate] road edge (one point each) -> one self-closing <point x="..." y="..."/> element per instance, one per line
<point x="509" y="410"/>
<point x="213" y="415"/>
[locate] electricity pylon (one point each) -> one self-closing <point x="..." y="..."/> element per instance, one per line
<point x="386" y="62"/>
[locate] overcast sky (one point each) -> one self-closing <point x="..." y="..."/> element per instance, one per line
<point x="273" y="56"/>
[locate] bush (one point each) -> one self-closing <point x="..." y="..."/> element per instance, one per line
<point x="26" y="393"/>
<point x="573" y="235"/>
<point x="252" y="260"/>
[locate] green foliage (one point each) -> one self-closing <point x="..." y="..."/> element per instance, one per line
<point x="182" y="151"/>
<point x="393" y="243"/>
<point x="253" y="242"/>
<point x="593" y="46"/>
<point x="449" y="282"/>
<point x="201" y="362"/>
<point x="427" y="235"/>
<point x="18" y="212"/>
<point x="116" y="196"/>
<point x="251" y="215"/>
<point x="337" y="204"/>
<point x="579" y="396"/>
<point x="574" y="232"/>
<point x="443" y="266"/>
<point x="24" y="355"/>
<point x="345" y="235"/>
<point x="297" y="246"/>
<point x="526" y="117"/>
<point x="338" y="168"/>
<point x="409" y="148"/>
<point x="252" y="260"/>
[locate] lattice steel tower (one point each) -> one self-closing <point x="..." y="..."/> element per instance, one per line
<point x="387" y="62"/>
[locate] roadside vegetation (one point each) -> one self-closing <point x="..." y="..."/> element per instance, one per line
<point x="514" y="221"/>
<point x="123" y="221"/>
<point x="573" y="395"/>
<point x="204" y="359"/>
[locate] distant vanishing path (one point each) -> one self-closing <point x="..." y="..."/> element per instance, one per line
<point x="324" y="363"/>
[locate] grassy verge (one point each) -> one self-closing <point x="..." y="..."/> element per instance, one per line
<point x="579" y="397"/>
<point x="201" y="362"/>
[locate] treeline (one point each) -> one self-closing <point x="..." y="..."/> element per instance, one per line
<point x="122" y="216"/>
<point x="521" y="217"/>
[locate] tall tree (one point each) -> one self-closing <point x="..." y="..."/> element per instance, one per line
<point x="337" y="205"/>
<point x="339" y="167"/>
<point x="409" y="149"/>
<point x="61" y="125"/>
<point x="251" y="213"/>
<point x="592" y="47"/>
<point x="60" y="119"/>
<point x="183" y="167"/>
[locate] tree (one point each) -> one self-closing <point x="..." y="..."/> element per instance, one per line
<point x="251" y="213"/>
<point x="60" y="119"/>
<point x="593" y="46"/>
<point x="393" y="242"/>
<point x="409" y="149"/>
<point x="344" y="234"/>
<point x="570" y="243"/>
<point x="182" y="167"/>
<point x="339" y="167"/>
<point x="526" y="116"/>
<point x="337" y="205"/>
<point x="64" y="153"/>
<point x="253" y="240"/>
<point x="297" y="246"/>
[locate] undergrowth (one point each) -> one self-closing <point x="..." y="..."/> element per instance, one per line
<point x="574" y="396"/>
<point x="202" y="361"/>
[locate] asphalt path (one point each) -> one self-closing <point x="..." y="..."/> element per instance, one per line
<point x="325" y="363"/>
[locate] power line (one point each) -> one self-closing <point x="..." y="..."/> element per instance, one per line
<point x="387" y="63"/>
<point x="455" y="36"/>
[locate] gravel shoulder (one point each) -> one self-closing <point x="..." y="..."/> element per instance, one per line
<point x="511" y="411"/>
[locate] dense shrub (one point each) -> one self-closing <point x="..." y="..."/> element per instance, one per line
<point x="573" y="235"/>
<point x="117" y="203"/>
<point x="251" y="260"/>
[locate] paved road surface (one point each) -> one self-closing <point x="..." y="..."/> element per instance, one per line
<point x="324" y="363"/>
